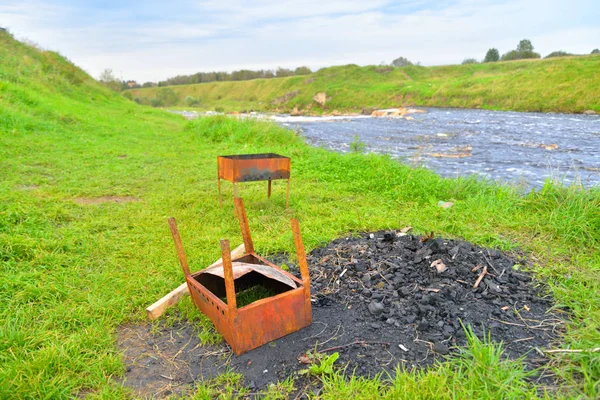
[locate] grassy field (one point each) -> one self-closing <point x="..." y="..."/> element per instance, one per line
<point x="75" y="265"/>
<point x="569" y="84"/>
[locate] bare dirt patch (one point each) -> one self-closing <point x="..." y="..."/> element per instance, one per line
<point x="169" y="361"/>
<point x="381" y="300"/>
<point x="105" y="199"/>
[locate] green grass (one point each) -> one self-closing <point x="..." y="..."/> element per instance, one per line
<point x="71" y="273"/>
<point x="250" y="295"/>
<point x="568" y="84"/>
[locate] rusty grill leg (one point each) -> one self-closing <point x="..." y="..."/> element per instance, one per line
<point x="303" y="269"/>
<point x="229" y="285"/>
<point x="269" y="190"/>
<point x="179" y="247"/>
<point x="244" y="227"/>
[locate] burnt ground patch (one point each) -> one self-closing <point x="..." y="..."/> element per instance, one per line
<point x="381" y="300"/>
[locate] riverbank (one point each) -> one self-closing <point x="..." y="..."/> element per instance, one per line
<point x="89" y="180"/>
<point x="567" y="85"/>
<point x="513" y="148"/>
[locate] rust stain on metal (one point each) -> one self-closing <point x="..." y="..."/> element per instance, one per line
<point x="253" y="167"/>
<point x="264" y="320"/>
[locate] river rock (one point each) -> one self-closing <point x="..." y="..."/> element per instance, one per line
<point x="395" y="112"/>
<point x="390" y="112"/>
<point x="589" y="112"/>
<point x="367" y="110"/>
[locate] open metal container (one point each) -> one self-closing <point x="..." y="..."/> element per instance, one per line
<point x="253" y="167"/>
<point x="263" y="320"/>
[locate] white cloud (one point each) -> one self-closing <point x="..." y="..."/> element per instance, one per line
<point x="242" y="11"/>
<point x="217" y="35"/>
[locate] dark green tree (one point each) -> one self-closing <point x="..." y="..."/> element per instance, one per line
<point x="492" y="55"/>
<point x="401" y="62"/>
<point x="525" y="46"/>
<point x="302" y="71"/>
<point x="595" y="51"/>
<point x="524" y="51"/>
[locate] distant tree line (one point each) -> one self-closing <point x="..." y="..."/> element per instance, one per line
<point x="219" y="76"/>
<point x="523" y="51"/>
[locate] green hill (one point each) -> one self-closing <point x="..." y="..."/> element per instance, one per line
<point x="89" y="178"/>
<point x="569" y="84"/>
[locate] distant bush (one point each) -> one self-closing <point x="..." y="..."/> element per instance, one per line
<point x="128" y="95"/>
<point x="492" y="55"/>
<point x="191" y="101"/>
<point x="283" y="72"/>
<point x="519" y="55"/>
<point x="155" y="102"/>
<point x="219" y="109"/>
<point x="595" y="51"/>
<point x="167" y="97"/>
<point x="108" y="79"/>
<point x="524" y="51"/>
<point x="302" y="71"/>
<point x="401" y="62"/>
<point x="559" y="53"/>
<point x="142" y="100"/>
<point x="470" y="61"/>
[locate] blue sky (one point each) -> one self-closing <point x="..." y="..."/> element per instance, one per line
<point x="153" y="40"/>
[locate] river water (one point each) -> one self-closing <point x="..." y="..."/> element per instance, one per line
<point x="511" y="147"/>
<point x="505" y="146"/>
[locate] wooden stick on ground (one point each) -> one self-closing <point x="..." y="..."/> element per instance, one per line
<point x="596" y="350"/>
<point x="157" y="309"/>
<point x="483" y="273"/>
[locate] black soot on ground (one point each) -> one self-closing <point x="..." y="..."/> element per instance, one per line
<point x="381" y="300"/>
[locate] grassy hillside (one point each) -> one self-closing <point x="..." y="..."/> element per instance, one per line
<point x="569" y="84"/>
<point x="89" y="178"/>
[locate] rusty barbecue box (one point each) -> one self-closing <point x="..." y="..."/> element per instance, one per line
<point x="214" y="290"/>
<point x="253" y="167"/>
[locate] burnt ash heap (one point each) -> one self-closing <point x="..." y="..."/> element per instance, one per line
<point x="389" y="279"/>
<point x="379" y="302"/>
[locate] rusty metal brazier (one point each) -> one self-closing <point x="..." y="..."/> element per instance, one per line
<point x="263" y="320"/>
<point x="253" y="167"/>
